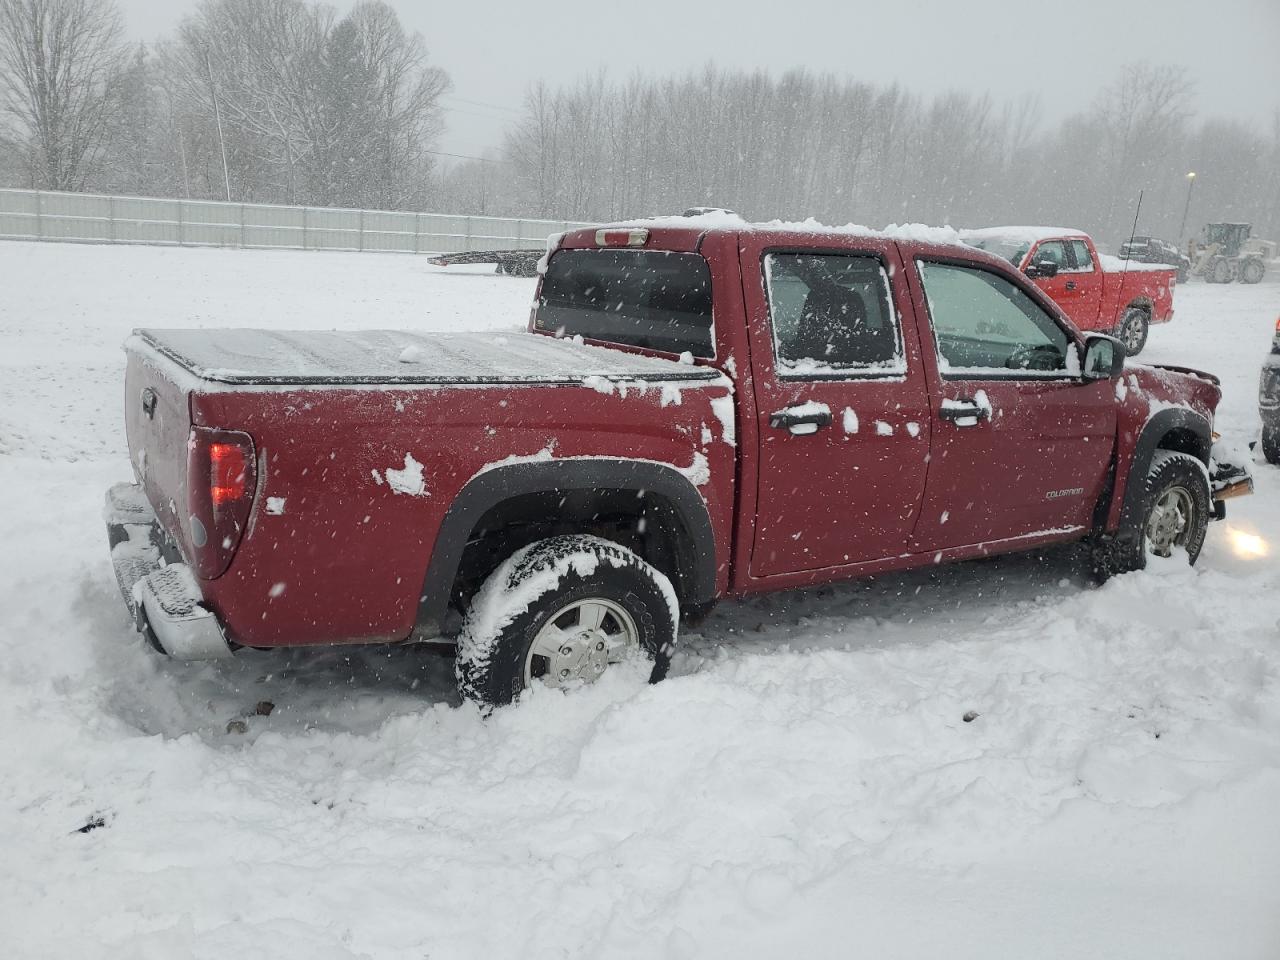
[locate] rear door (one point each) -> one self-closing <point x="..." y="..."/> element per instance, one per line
<point x="841" y="402"/>
<point x="1021" y="443"/>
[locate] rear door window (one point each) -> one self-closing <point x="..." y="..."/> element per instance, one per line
<point x="643" y="298"/>
<point x="831" y="315"/>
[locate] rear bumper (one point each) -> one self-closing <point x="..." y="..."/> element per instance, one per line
<point x="158" y="588"/>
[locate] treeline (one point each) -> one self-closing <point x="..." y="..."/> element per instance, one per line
<point x="843" y="150"/>
<point x="285" y="101"/>
<point x="264" y="100"/>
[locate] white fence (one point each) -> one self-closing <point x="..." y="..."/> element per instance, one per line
<point x="44" y="215"/>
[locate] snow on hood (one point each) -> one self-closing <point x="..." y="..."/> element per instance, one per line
<point x="399" y="356"/>
<point x="1166" y="386"/>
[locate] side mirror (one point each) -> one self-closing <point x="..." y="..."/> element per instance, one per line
<point x="1103" y="357"/>
<point x="1041" y="268"/>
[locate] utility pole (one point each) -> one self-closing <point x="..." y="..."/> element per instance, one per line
<point x="217" y="119"/>
<point x="1191" y="182"/>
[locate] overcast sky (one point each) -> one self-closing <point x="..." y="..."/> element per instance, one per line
<point x="1064" y="52"/>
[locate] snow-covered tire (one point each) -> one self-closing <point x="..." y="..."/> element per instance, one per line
<point x="1132" y="331"/>
<point x="1252" y="271"/>
<point x="529" y="619"/>
<point x="1219" y="271"/>
<point x="1271" y="444"/>
<point x="1175" y="482"/>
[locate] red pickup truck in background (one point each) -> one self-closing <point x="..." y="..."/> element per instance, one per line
<point x="700" y="408"/>
<point x="1098" y="292"/>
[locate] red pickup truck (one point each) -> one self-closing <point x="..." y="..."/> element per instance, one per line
<point x="1096" y="291"/>
<point x="700" y="408"/>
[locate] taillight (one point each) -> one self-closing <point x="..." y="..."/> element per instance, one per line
<point x="622" y="238"/>
<point x="228" y="472"/>
<point x="221" y="479"/>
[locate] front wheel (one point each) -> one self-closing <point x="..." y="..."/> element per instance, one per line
<point x="1271" y="444"/>
<point x="561" y="611"/>
<point x="1174" y="517"/>
<point x="1132" y="331"/>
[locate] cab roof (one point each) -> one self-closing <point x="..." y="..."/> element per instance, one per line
<point x="685" y="232"/>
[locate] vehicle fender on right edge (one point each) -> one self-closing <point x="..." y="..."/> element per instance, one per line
<point x="1193" y="434"/>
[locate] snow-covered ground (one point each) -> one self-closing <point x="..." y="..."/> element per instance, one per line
<point x="805" y="784"/>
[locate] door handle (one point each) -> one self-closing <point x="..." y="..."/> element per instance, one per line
<point x="800" y="420"/>
<point x="964" y="412"/>
<point x="1071" y="284"/>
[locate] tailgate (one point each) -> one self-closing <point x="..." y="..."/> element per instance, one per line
<point x="157" y="415"/>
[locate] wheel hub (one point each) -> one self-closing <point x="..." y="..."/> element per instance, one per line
<point x="579" y="641"/>
<point x="1169" y="521"/>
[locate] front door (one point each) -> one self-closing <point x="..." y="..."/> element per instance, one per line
<point x="842" y="405"/>
<point x="1021" y="442"/>
<point x="1055" y="252"/>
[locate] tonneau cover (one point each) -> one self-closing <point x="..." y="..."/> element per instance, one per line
<point x="240" y="356"/>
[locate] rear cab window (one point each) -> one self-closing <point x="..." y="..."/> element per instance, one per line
<point x="653" y="299"/>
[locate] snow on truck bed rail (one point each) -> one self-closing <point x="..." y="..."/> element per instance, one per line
<point x="400" y="356"/>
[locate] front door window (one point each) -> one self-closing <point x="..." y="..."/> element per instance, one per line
<point x="983" y="323"/>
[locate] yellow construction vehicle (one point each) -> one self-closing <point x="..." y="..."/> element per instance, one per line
<point x="1226" y="252"/>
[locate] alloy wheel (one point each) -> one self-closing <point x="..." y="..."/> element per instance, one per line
<point x="579" y="641"/>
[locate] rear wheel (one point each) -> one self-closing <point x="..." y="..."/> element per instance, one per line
<point x="1173" y="518"/>
<point x="1251" y="271"/>
<point x="560" y="612"/>
<point x="1133" y="329"/>
<point x="1271" y="444"/>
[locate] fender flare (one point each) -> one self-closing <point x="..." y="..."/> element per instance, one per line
<point x="491" y="487"/>
<point x="1174" y="418"/>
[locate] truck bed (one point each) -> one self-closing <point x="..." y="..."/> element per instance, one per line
<point x="300" y="357"/>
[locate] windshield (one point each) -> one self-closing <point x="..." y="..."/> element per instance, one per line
<point x="1006" y="247"/>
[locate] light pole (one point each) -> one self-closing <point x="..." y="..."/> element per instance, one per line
<point x="1191" y="182"/>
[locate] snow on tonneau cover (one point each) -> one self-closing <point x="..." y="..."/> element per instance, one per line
<point x="301" y="357"/>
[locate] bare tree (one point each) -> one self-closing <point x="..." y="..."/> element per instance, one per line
<point x="307" y="107"/>
<point x="59" y="60"/>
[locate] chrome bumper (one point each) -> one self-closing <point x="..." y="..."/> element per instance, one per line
<point x="163" y="597"/>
